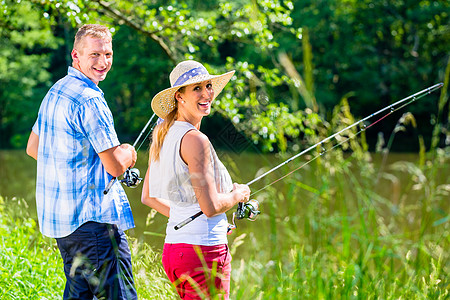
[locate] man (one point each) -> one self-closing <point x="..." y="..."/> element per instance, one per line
<point x="77" y="153"/>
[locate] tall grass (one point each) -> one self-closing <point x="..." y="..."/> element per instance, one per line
<point x="350" y="246"/>
<point x="31" y="266"/>
<point x="361" y="232"/>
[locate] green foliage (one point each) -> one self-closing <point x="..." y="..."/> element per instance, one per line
<point x="247" y="103"/>
<point x="377" y="52"/>
<point x="26" y="40"/>
<point x="30" y="265"/>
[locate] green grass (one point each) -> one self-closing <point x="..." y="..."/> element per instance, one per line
<point x="31" y="266"/>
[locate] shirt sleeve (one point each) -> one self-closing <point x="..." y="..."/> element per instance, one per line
<point x="96" y="122"/>
<point x="35" y="128"/>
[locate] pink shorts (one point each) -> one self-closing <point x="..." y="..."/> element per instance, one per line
<point x="198" y="276"/>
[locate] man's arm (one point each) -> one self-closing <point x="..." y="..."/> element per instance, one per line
<point x="117" y="159"/>
<point x="33" y="145"/>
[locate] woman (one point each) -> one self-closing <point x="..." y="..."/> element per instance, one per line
<point x="186" y="176"/>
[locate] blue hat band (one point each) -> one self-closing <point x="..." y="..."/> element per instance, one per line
<point x="189" y="74"/>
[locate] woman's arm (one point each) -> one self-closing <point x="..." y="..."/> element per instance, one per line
<point x="160" y="205"/>
<point x="195" y="151"/>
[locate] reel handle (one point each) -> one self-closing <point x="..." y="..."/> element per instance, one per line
<point x="131" y="177"/>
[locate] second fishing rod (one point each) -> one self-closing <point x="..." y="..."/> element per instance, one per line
<point x="250" y="210"/>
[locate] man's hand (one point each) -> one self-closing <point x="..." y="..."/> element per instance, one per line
<point x="130" y="148"/>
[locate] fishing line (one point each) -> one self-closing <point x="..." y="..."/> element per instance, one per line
<point x="392" y="108"/>
<point x="148" y="133"/>
<point x="365" y="127"/>
<point x="140" y="134"/>
<point x="296" y="169"/>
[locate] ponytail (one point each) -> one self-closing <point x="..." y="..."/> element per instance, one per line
<point x="159" y="134"/>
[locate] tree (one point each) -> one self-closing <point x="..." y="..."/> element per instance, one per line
<point x="241" y="29"/>
<point x="293" y="64"/>
<point x="380" y="50"/>
<point x="26" y="41"/>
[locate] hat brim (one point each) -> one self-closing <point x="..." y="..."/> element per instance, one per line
<point x="164" y="102"/>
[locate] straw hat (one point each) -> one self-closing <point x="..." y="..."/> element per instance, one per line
<point x="186" y="73"/>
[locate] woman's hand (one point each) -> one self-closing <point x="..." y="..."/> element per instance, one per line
<point x="241" y="191"/>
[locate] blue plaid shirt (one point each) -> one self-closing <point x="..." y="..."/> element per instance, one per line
<point x="74" y="124"/>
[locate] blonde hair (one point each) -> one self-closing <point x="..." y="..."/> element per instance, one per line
<point x="160" y="132"/>
<point x="92" y="30"/>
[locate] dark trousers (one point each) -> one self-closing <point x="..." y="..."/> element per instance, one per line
<point x="97" y="262"/>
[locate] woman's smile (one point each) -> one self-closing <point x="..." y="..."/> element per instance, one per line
<point x="205" y="104"/>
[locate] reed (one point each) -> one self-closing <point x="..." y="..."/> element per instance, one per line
<point x="352" y="239"/>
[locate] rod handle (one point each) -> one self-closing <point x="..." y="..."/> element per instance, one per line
<point x="188" y="220"/>
<point x="108" y="187"/>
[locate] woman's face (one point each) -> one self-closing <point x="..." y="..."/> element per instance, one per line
<point x="196" y="99"/>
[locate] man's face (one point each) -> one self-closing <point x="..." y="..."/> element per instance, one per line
<point x="93" y="58"/>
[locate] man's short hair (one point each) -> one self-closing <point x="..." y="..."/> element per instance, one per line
<point x="92" y="30"/>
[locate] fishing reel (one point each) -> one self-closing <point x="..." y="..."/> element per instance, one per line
<point x="248" y="210"/>
<point x="131" y="178"/>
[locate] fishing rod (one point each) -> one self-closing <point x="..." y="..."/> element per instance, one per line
<point x="131" y="175"/>
<point x="251" y="209"/>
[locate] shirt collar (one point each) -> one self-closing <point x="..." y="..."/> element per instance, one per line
<point x="79" y="75"/>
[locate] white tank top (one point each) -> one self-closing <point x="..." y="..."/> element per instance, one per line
<point x="169" y="179"/>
